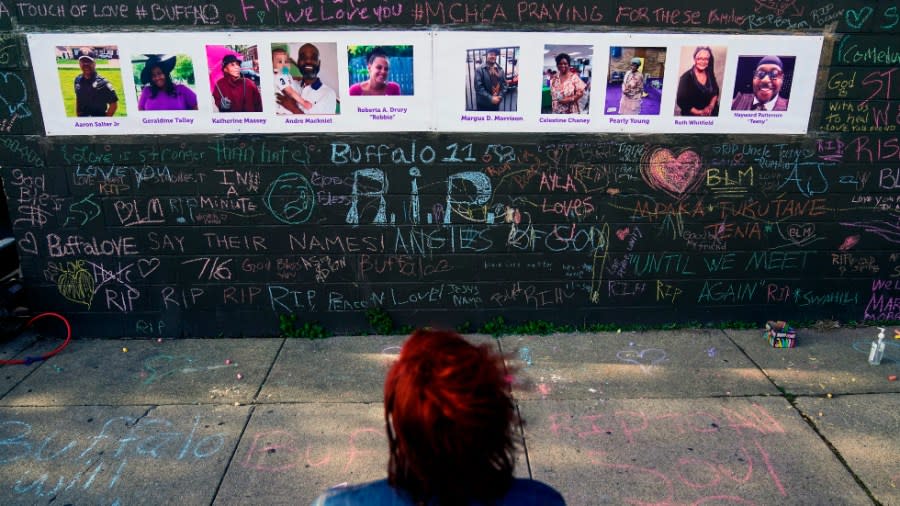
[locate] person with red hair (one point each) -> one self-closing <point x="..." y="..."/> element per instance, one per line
<point x="451" y="427"/>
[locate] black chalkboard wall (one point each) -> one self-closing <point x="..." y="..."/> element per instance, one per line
<point x="180" y="236"/>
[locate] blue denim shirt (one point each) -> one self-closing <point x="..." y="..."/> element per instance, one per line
<point x="379" y="493"/>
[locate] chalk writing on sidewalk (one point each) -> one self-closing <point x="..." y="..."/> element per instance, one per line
<point x="719" y="455"/>
<point x="279" y="451"/>
<point x="49" y="464"/>
<point x="158" y="367"/>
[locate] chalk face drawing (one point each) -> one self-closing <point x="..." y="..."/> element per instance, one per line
<point x="675" y="175"/>
<point x="291" y="199"/>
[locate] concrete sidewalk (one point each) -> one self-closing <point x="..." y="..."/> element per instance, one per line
<point x="680" y="417"/>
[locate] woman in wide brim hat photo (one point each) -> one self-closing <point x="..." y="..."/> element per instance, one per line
<point x="160" y="93"/>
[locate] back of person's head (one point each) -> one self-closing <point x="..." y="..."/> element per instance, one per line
<point x="449" y="416"/>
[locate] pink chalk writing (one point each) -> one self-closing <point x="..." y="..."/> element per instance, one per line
<point x="695" y="473"/>
<point x="881" y="79"/>
<point x="326" y="11"/>
<point x="475" y="12"/>
<point x="690" y="477"/>
<point x="865" y="148"/>
<point x="631" y="423"/>
<point x="278" y="451"/>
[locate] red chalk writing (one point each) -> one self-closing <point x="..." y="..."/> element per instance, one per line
<point x="473" y="12"/>
<point x="881" y="82"/>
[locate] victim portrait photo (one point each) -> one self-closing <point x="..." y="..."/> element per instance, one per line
<point x="634" y="83"/>
<point x="492" y="78"/>
<point x="702" y="70"/>
<point x="91" y="80"/>
<point x="566" y="79"/>
<point x="306" y="78"/>
<point x="164" y="82"/>
<point x="380" y="70"/>
<point x="234" y="78"/>
<point x="763" y="83"/>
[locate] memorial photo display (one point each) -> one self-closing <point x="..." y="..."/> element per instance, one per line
<point x="273" y="82"/>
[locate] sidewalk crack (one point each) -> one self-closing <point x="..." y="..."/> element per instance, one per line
<point x="138" y="419"/>
<point x="792" y="400"/>
<point x="520" y="424"/>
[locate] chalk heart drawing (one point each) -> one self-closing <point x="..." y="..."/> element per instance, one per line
<point x="28" y="244"/>
<point x="146" y="266"/>
<point x="555" y="155"/>
<point x="643" y="358"/>
<point x="76" y="283"/>
<point x="857" y="18"/>
<point x="622" y="233"/>
<point x="777" y="6"/>
<point x="675" y="175"/>
<point x="800" y="233"/>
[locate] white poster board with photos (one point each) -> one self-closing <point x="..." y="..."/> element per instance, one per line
<point x="597" y="90"/>
<point x="447" y="81"/>
<point x="183" y="94"/>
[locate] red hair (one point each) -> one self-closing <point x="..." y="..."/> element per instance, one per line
<point x="449" y="416"/>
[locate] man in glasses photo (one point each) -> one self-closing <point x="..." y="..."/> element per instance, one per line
<point x="767" y="81"/>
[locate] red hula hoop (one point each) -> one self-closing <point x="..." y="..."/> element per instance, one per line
<point x="31" y="360"/>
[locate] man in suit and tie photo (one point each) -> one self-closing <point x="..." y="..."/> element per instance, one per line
<point x="490" y="82"/>
<point x="766" y="85"/>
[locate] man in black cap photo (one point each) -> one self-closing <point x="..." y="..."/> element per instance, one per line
<point x="94" y="95"/>
<point x="490" y="83"/>
<point x="234" y="92"/>
<point x="766" y="84"/>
